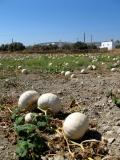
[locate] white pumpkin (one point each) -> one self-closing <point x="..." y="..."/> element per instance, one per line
<point x="83" y="71"/>
<point x="49" y="101"/>
<point x="113" y="69"/>
<point x="73" y="76"/>
<point x="24" y="71"/>
<point x="28" y="100"/>
<point x="28" y="117"/>
<point x="7" y="80"/>
<point x="66" y="64"/>
<point x="67" y="74"/>
<point x="93" y="67"/>
<point x="62" y="72"/>
<point x="118" y="62"/>
<point x="77" y="62"/>
<point x="75" y="125"/>
<point x="89" y="67"/>
<point x="19" y="67"/>
<point x="50" y="64"/>
<point x="99" y="76"/>
<point x="115" y="65"/>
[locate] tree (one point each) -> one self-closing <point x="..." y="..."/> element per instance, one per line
<point x="4" y="47"/>
<point x="67" y="47"/>
<point x="92" y="46"/>
<point x="16" y="46"/>
<point x="80" y="45"/>
<point x="117" y="44"/>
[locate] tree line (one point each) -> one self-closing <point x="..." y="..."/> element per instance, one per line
<point x="15" y="46"/>
<point x="18" y="46"/>
<point x="78" y="46"/>
<point x="117" y="44"/>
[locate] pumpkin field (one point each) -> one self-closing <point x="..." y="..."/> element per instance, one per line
<point x="60" y="106"/>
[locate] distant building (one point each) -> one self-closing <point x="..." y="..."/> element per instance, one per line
<point x="107" y="44"/>
<point x="59" y="44"/>
<point x="98" y="44"/>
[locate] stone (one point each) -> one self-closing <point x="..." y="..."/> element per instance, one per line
<point x="2" y="147"/>
<point x="43" y="158"/>
<point x="116" y="129"/>
<point x="109" y="100"/>
<point x="105" y="128"/>
<point x="59" y="157"/>
<point x="111" y="140"/>
<point x="50" y="158"/>
<point x="109" y="132"/>
<point x="60" y="92"/>
<point x="118" y="123"/>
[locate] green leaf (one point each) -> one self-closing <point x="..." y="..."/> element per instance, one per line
<point x="116" y="100"/>
<point x="19" y="120"/>
<point x="15" y="114"/>
<point x="22" y="148"/>
<point x="31" y="145"/>
<point x="42" y="125"/>
<point x="22" y="130"/>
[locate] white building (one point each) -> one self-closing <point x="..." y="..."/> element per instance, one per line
<point x="108" y="44"/>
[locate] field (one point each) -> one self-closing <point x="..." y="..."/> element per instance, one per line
<point x="95" y="92"/>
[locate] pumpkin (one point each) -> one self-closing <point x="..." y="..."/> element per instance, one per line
<point x="89" y="67"/>
<point x="50" y="64"/>
<point x="19" y="67"/>
<point x="62" y="72"/>
<point x="113" y="69"/>
<point x="93" y="67"/>
<point x="73" y="76"/>
<point x="24" y="71"/>
<point x="66" y="64"/>
<point x="28" y="100"/>
<point x="49" y="101"/>
<point x="67" y="74"/>
<point x="28" y="118"/>
<point x="83" y="71"/>
<point x="75" y="125"/>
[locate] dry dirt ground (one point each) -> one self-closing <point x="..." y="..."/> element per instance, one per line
<point x="90" y="93"/>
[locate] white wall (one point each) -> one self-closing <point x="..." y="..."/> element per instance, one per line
<point x="108" y="45"/>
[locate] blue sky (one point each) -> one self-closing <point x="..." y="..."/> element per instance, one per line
<point x="35" y="21"/>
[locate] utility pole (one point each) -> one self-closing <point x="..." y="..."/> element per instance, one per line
<point x="84" y="37"/>
<point x="91" y="38"/>
<point x="12" y="40"/>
